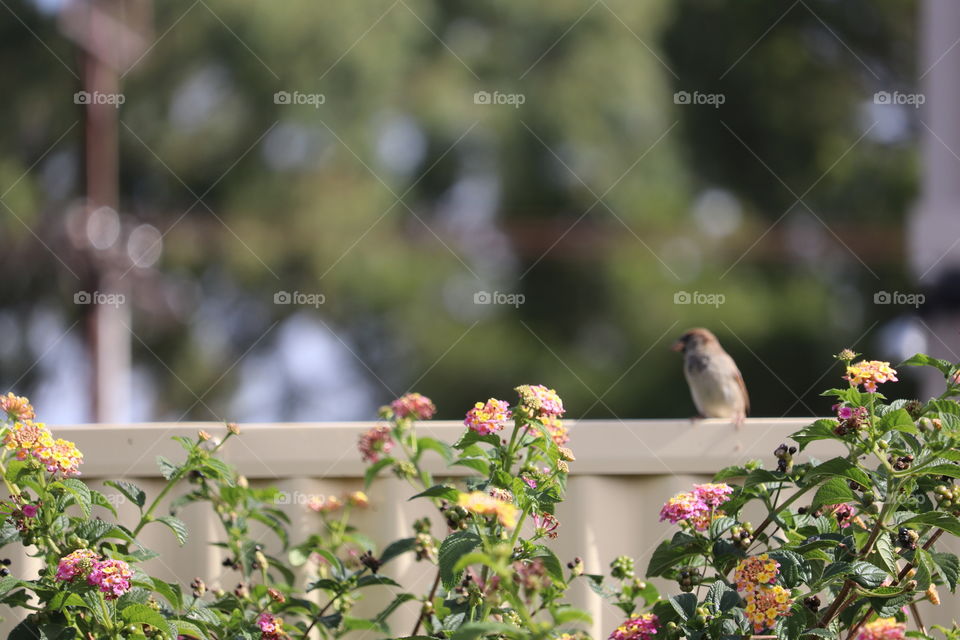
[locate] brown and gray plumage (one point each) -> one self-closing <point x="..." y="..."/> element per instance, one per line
<point x="715" y="382"/>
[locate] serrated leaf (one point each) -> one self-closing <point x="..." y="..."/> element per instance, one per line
<point x="685" y="604"/>
<point x="949" y="567"/>
<point x="833" y="491"/>
<point x="454" y="546"/>
<point x="132" y="492"/>
<point x="936" y="519"/>
<point x="396" y="548"/>
<point x="178" y="526"/>
<point x="839" y="467"/>
<point x="867" y="575"/>
<point x="441" y="491"/>
<point x="143" y="614"/>
<point x="167" y="468"/>
<point x="80" y="493"/>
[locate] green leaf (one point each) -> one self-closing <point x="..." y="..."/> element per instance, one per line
<point x="167" y="468"/>
<point x="949" y="566"/>
<point x="131" y="492"/>
<point x="949" y="469"/>
<point x="480" y="465"/>
<point x="439" y="491"/>
<point x="80" y="493"/>
<point x="939" y="519"/>
<point x="170" y="591"/>
<point x="471" y="437"/>
<point x="668" y="554"/>
<point x="144" y="614"/>
<point x="923" y="360"/>
<point x="176" y="525"/>
<point x="376" y="578"/>
<point x="374" y="469"/>
<point x="833" y="491"/>
<point x="390" y="608"/>
<point x="100" y="500"/>
<point x="867" y="575"/>
<point x="762" y="476"/>
<point x="396" y="548"/>
<point x="819" y="430"/>
<point x="715" y="595"/>
<point x="189" y="629"/>
<point x="454" y="546"/>
<point x="685" y="604"/>
<point x="550" y="562"/>
<point x="432" y="444"/>
<point x="794" y="569"/>
<point x="569" y="614"/>
<point x="839" y="467"/>
<point x="898" y="420"/>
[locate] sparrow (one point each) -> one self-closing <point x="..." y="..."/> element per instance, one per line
<point x="715" y="382"/>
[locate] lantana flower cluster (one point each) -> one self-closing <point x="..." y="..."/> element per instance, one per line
<point x="17" y="408"/>
<point x="111" y="576"/>
<point x="413" y="405"/>
<point x="755" y="577"/>
<point x="870" y="373"/>
<point x="540" y="401"/>
<point x="375" y="443"/>
<point x="329" y="504"/>
<point x="883" y="629"/>
<point x="489" y="417"/>
<point x="33" y="440"/>
<point x="485" y="505"/>
<point x="642" y="627"/>
<point x="695" y="507"/>
<point x="271" y="627"/>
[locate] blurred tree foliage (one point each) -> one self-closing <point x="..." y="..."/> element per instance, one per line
<point x="598" y="198"/>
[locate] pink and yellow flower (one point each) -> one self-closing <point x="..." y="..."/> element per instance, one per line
<point x="555" y="428"/>
<point x="271" y="627"/>
<point x="870" y="373"/>
<point x="488" y="418"/>
<point x="842" y="512"/>
<point x="883" y="629"/>
<point x="61" y="457"/>
<point x="642" y="627"/>
<point x="756" y="572"/>
<point x="358" y="499"/>
<point x="111" y="576"/>
<point x="767" y="604"/>
<point x="713" y="494"/>
<point x="413" y="405"/>
<point x="78" y="563"/>
<point x="540" y="401"/>
<point x="374" y="443"/>
<point x="482" y="504"/>
<point x="324" y="504"/>
<point x="683" y="507"/>
<point x="27" y="438"/>
<point x="17" y="407"/>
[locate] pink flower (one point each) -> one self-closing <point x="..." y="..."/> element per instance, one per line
<point x="29" y="510"/>
<point x="270" y="626"/>
<point x="683" y="507"/>
<point x="642" y="627"/>
<point x="111" y="576"/>
<point x="713" y="494"/>
<point x="870" y="373"/>
<point x="415" y="405"/>
<point x="842" y="512"/>
<point x="883" y="629"/>
<point x="375" y="442"/>
<point x="488" y="418"/>
<point x="540" y="400"/>
<point x="79" y="563"/>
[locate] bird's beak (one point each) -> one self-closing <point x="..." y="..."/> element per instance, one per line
<point x="677" y="346"/>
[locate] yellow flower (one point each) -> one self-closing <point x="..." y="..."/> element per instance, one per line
<point x="358" y="499"/>
<point x="482" y="504"/>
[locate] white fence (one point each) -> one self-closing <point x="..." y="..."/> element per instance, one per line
<point x="624" y="472"/>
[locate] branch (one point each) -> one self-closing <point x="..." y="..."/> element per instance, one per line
<point x="433" y="592"/>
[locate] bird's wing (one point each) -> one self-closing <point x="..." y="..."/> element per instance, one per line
<point x="743" y="390"/>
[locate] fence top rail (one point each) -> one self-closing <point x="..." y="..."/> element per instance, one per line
<point x="328" y="449"/>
